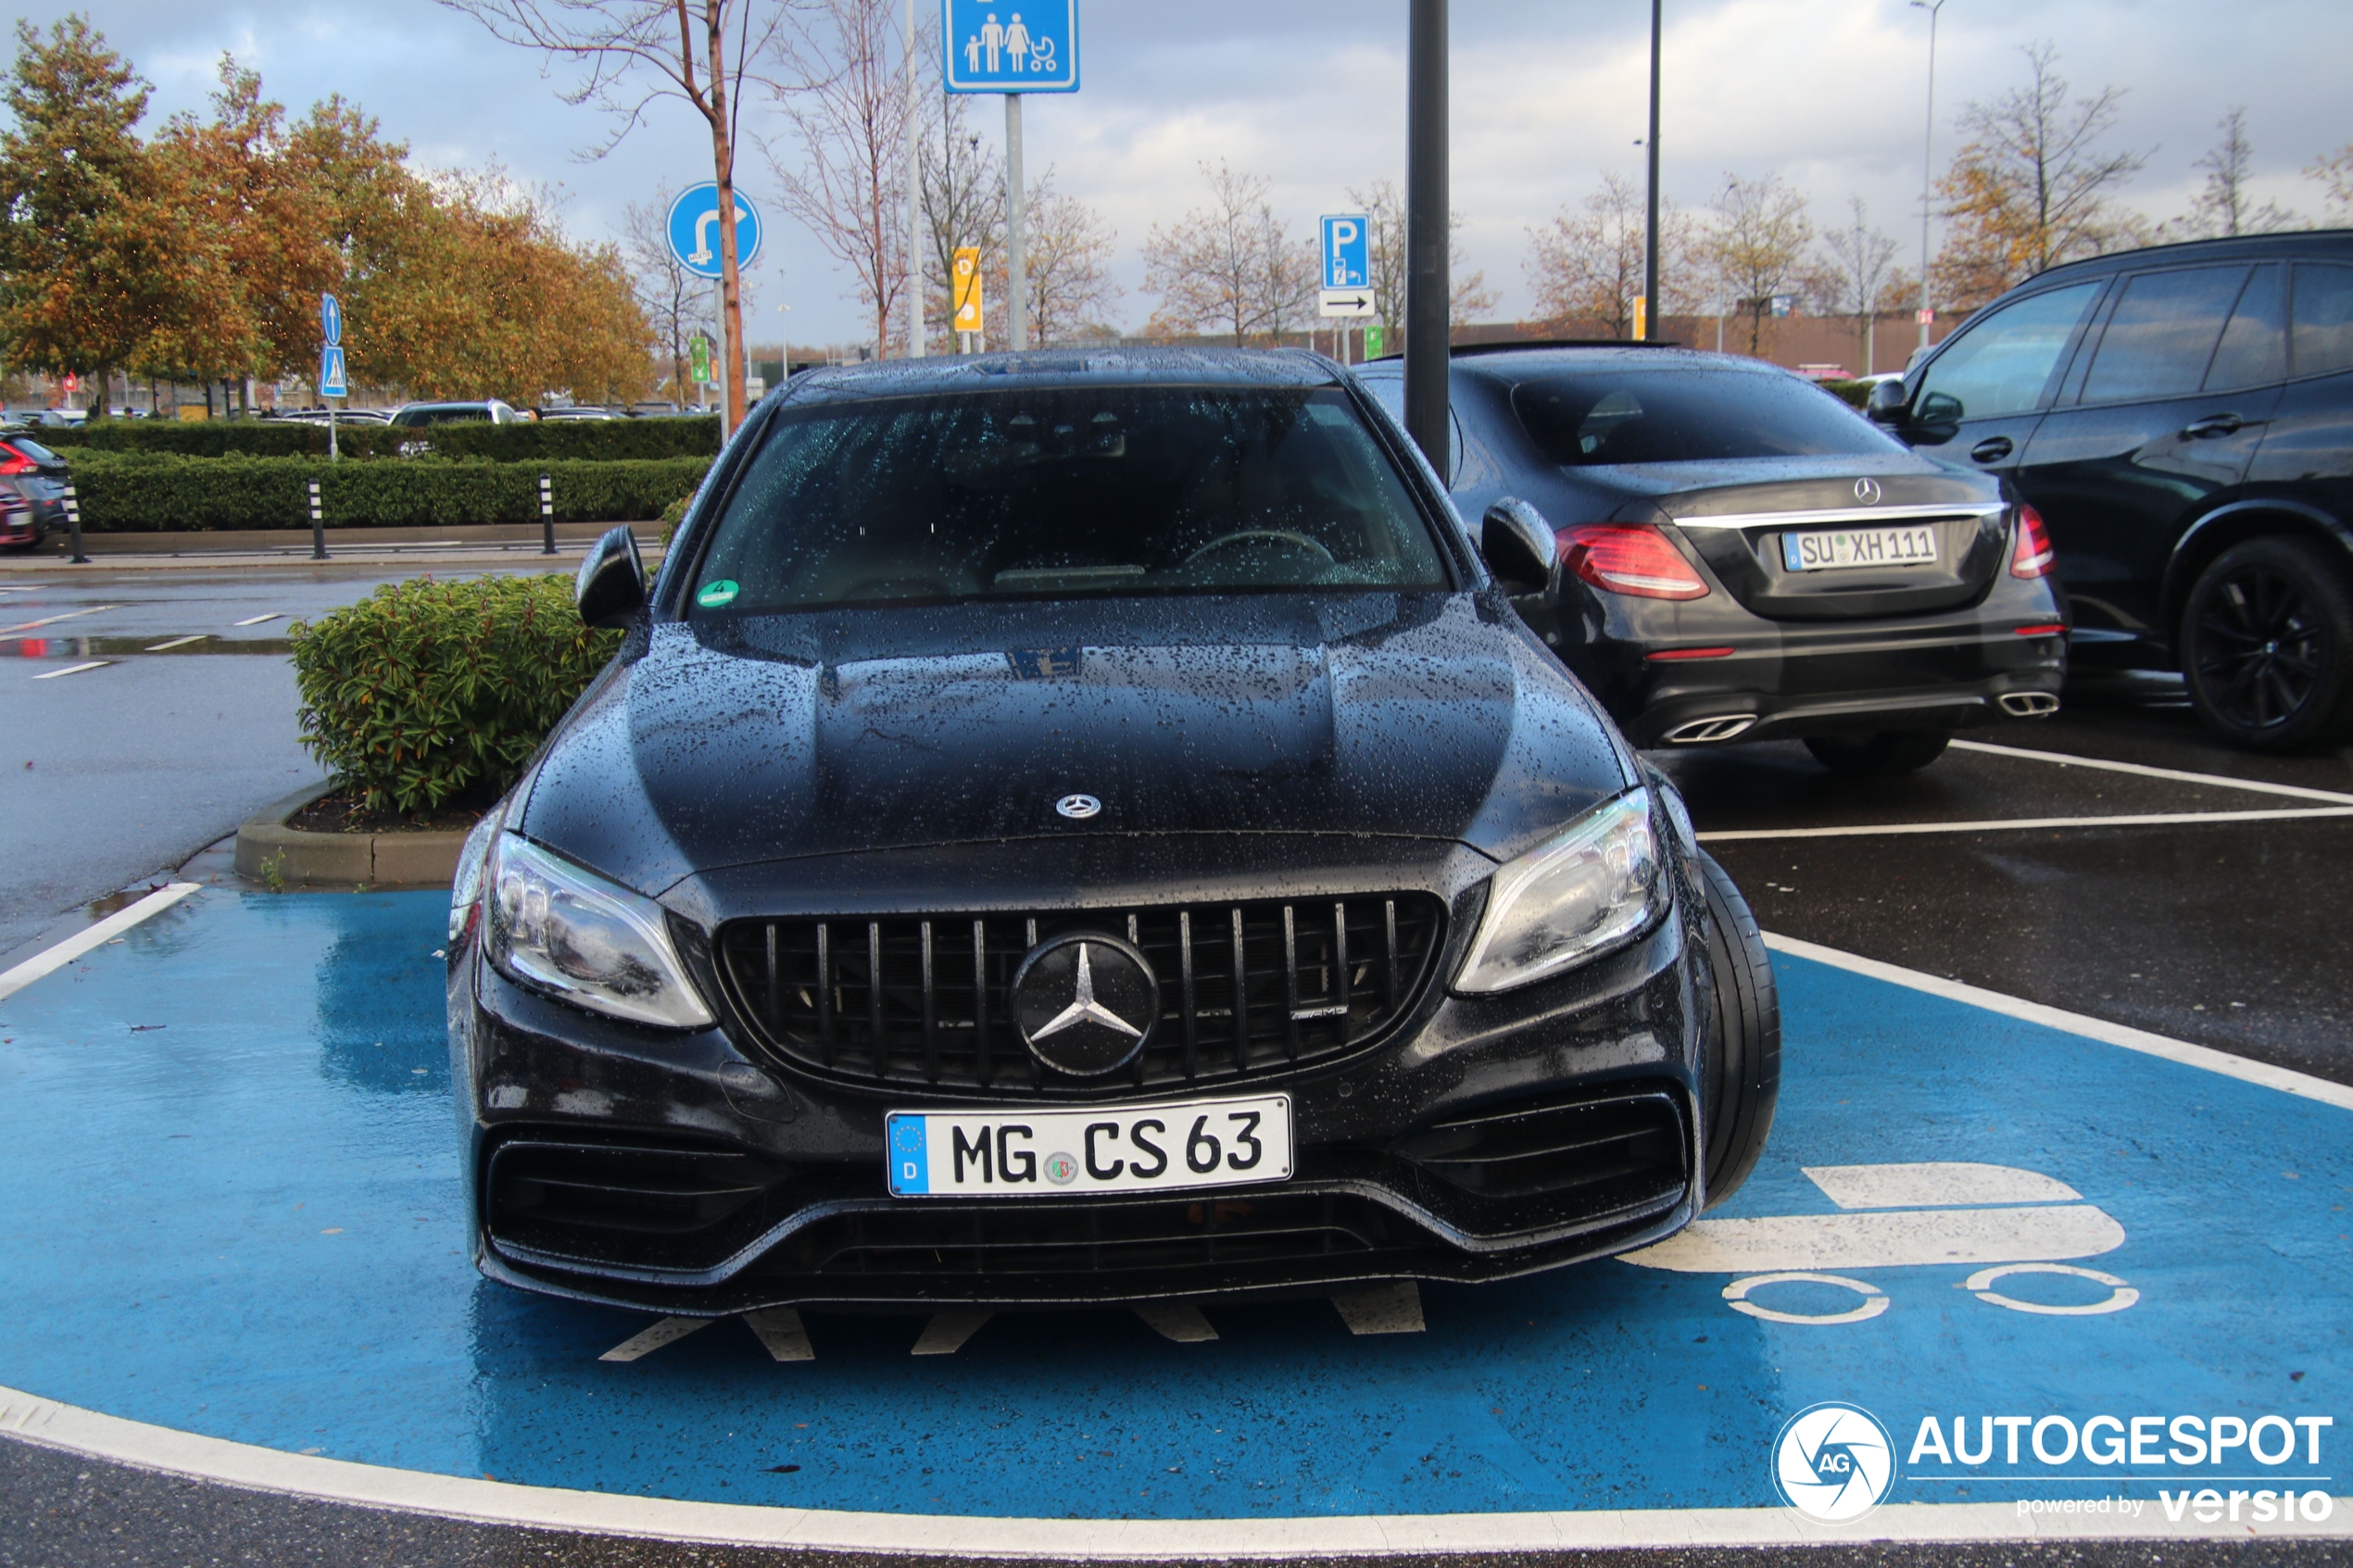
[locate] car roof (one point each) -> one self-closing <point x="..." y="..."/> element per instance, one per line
<point x="1514" y="362"/>
<point x="1061" y="367"/>
<point x="2337" y="243"/>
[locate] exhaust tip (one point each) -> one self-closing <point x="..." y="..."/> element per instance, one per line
<point x="1700" y="732"/>
<point x="2030" y="705"/>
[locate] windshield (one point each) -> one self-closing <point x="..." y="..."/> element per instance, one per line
<point x="1587" y="417"/>
<point x="1063" y="491"/>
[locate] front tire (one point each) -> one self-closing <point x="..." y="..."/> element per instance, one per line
<point x="1880" y="756"/>
<point x="2267" y="645"/>
<point x="1740" y="1073"/>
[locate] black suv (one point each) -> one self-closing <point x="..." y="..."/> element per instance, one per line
<point x="2182" y="418"/>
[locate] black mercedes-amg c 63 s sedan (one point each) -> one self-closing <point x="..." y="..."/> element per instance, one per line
<point x="1070" y="828"/>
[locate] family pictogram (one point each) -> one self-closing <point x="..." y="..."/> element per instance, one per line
<point x="1009" y="46"/>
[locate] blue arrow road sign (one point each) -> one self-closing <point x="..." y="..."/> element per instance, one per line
<point x="330" y="319"/>
<point x="331" y="378"/>
<point x="1009" y="45"/>
<point x="694" y="230"/>
<point x="1347" y="241"/>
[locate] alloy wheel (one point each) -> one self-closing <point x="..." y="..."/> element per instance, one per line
<point x="2260" y="647"/>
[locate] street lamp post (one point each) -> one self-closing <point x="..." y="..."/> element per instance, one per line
<point x="1650" y="219"/>
<point x="1928" y="158"/>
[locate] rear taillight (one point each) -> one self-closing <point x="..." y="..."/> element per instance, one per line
<point x="16" y="462"/>
<point x="1621" y="559"/>
<point x="2033" y="557"/>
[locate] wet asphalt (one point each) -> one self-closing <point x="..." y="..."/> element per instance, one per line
<point x="2231" y="935"/>
<point x="112" y="775"/>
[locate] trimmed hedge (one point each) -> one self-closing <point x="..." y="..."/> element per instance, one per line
<point x="127" y="493"/>
<point x="547" y="441"/>
<point x="428" y="692"/>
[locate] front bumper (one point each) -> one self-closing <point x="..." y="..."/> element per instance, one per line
<point x="1483" y="1137"/>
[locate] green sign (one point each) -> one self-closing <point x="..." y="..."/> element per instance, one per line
<point x="701" y="357"/>
<point x="1372" y="342"/>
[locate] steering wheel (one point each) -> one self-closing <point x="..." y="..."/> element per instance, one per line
<point x="1281" y="535"/>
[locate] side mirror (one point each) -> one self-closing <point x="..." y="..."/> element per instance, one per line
<point x="1887" y="403"/>
<point x="1518" y="545"/>
<point x="611" y="584"/>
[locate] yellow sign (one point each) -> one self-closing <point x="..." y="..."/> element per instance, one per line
<point x="965" y="282"/>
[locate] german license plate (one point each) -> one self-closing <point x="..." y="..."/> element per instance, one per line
<point x="1834" y="550"/>
<point x="1208" y="1143"/>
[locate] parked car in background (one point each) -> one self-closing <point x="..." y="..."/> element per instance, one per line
<point x="415" y="416"/>
<point x="579" y="411"/>
<point x="32" y="491"/>
<point x="2182" y="417"/>
<point x="1742" y="556"/>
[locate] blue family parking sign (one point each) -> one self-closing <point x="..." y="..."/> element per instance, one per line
<point x="1024" y="46"/>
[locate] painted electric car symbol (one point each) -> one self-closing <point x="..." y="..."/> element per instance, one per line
<point x="2005" y="1220"/>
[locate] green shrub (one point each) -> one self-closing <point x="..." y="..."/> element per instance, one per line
<point x="551" y="441"/>
<point x="1855" y="391"/>
<point x="126" y="492"/>
<point x="428" y="692"/>
<point x="672" y="516"/>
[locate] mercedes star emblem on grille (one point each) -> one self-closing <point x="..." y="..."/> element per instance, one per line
<point x="1078" y="808"/>
<point x="1868" y="492"/>
<point x="1085" y="1002"/>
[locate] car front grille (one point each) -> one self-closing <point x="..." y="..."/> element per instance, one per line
<point x="1246" y="989"/>
<point x="1013" y="1243"/>
<point x="655" y="1205"/>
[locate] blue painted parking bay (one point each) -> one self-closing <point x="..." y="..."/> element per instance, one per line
<point x="233" y="1209"/>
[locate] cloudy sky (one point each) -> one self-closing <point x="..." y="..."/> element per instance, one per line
<point x="1549" y="94"/>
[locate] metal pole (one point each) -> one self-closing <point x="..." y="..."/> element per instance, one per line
<point x="1650" y="220"/>
<point x="547" y="515"/>
<point x="318" y="525"/>
<point x="1427" y="238"/>
<point x="73" y="525"/>
<point x="719" y="369"/>
<point x="1927" y="160"/>
<point x="332" y="455"/>
<point x="1017" y="240"/>
<point x="915" y="205"/>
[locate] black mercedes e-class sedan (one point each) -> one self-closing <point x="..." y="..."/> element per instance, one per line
<point x="1072" y="828"/>
<point x="1745" y="558"/>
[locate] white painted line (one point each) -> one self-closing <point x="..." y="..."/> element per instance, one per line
<point x="2203" y="1056"/>
<point x="2023" y="824"/>
<point x="179" y="641"/>
<point x="248" y="1467"/>
<point x="74" y="668"/>
<point x="53" y="620"/>
<point x="1885" y="1239"/>
<point x="1391" y="1309"/>
<point x="668" y="1331"/>
<point x="1177" y="1321"/>
<point x="1936" y="1184"/>
<point x="947" y="1331"/>
<point x="257" y="619"/>
<point x="2217" y="781"/>
<point x="98" y="935"/>
<point x="781" y="1330"/>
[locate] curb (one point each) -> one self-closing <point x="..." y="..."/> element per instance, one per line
<point x="342" y="860"/>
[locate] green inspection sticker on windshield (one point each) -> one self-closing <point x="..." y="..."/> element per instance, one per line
<point x="714" y="595"/>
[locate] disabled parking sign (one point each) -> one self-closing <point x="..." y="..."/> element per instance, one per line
<point x="1024" y="46"/>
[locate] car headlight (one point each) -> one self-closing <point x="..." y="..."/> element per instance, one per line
<point x="1587" y="888"/>
<point x="561" y="930"/>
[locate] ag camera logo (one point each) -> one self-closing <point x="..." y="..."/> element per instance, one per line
<point x="1833" y="1462"/>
